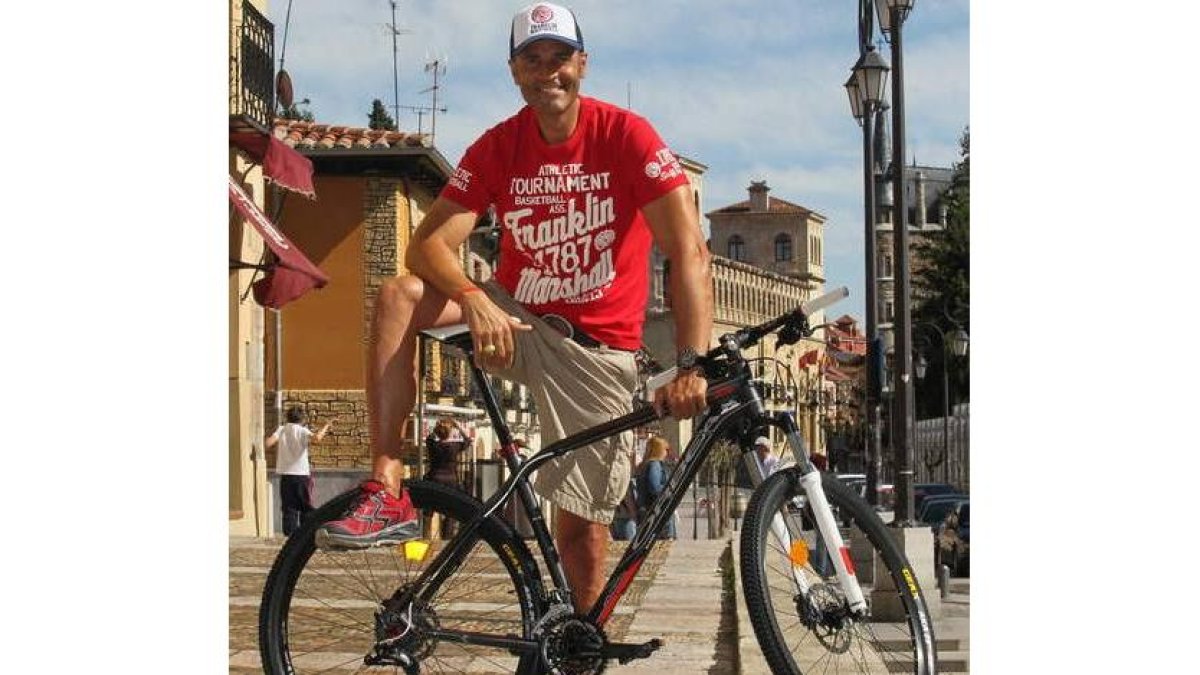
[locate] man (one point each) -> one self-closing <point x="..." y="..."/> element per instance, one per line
<point x="292" y="466"/>
<point x="580" y="189"/>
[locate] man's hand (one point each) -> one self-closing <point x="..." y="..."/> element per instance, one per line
<point x="682" y="397"/>
<point x="492" y="331"/>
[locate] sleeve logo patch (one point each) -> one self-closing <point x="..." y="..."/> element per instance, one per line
<point x="461" y="179"/>
<point x="664" y="166"/>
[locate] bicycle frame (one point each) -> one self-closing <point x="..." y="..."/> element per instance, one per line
<point x="732" y="399"/>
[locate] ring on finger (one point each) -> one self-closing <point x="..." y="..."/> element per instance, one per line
<point x="489" y="349"/>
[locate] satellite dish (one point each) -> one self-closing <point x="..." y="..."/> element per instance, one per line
<point x="283" y="89"/>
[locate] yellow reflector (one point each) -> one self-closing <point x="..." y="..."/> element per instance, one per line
<point x="799" y="553"/>
<point x="416" y="550"/>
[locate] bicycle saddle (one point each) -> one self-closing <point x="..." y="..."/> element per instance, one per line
<point x="455" y="335"/>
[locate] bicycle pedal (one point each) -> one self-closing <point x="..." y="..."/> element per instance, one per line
<point x="624" y="653"/>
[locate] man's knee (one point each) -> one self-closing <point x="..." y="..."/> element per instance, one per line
<point x="399" y="292"/>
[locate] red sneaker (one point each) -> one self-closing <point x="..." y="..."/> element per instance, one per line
<point x="378" y="518"/>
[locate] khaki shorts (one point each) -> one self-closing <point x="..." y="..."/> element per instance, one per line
<point x="575" y="388"/>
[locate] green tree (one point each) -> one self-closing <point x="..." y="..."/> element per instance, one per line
<point x="942" y="289"/>
<point x="293" y="112"/>
<point x="379" y="117"/>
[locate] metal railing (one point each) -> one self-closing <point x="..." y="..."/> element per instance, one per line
<point x="942" y="462"/>
<point x="252" y="70"/>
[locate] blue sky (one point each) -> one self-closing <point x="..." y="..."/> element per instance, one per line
<point x="753" y="90"/>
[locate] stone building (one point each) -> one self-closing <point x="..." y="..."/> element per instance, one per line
<point x="771" y="234"/>
<point x="924" y="187"/>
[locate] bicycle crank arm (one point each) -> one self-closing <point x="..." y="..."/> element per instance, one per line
<point x="624" y="653"/>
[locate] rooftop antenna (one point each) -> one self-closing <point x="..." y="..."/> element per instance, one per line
<point x="628" y="95"/>
<point x="421" y="111"/>
<point x="283" y="81"/>
<point x="438" y="67"/>
<point x="395" y="31"/>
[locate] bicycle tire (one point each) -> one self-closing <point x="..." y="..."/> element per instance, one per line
<point x="318" y="610"/>
<point x="793" y="647"/>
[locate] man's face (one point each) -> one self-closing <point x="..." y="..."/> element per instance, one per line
<point x="548" y="73"/>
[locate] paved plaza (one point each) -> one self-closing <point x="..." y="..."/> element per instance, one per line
<point x="685" y="594"/>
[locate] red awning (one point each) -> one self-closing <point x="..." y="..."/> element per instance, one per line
<point x="293" y="274"/>
<point x="281" y="164"/>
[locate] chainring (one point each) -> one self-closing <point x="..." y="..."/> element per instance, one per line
<point x="570" y="645"/>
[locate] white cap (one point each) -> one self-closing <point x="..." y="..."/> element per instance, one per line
<point x="544" y="21"/>
<point x="763" y="440"/>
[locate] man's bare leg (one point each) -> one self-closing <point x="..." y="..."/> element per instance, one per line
<point x="583" y="545"/>
<point x="404" y="306"/>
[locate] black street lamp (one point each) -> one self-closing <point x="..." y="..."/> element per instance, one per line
<point x="892" y="14"/>
<point x="866" y="86"/>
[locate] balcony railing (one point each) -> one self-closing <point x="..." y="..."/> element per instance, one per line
<point x="252" y="71"/>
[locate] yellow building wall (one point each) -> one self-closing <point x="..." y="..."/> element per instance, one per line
<point x="248" y="506"/>
<point x="323" y="329"/>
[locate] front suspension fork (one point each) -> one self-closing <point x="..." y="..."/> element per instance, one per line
<point x="787" y="530"/>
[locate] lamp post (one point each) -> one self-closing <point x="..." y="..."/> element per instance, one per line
<point x="865" y="88"/>
<point x="953" y="343"/>
<point x="892" y="14"/>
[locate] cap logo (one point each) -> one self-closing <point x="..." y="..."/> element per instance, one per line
<point x="541" y="14"/>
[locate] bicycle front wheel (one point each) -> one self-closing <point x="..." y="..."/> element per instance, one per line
<point x="329" y="611"/>
<point x="799" y="611"/>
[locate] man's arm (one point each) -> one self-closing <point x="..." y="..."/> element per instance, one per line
<point x="320" y="434"/>
<point x="432" y="254"/>
<point x="433" y="257"/>
<point x="674" y="222"/>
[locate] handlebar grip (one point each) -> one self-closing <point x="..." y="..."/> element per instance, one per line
<point x="817" y="304"/>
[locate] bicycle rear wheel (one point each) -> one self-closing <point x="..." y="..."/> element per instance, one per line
<point x="813" y="631"/>
<point x="324" y="612"/>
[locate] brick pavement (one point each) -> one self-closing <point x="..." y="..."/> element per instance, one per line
<point x="250" y="561"/>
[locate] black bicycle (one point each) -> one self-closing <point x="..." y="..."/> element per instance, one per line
<point x="478" y="602"/>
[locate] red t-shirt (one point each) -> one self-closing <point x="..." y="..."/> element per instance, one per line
<point x="573" y="239"/>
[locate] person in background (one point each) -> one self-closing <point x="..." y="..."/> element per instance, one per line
<point x="652" y="481"/>
<point x="292" y="466"/>
<point x="818" y="460"/>
<point x="766" y="459"/>
<point x="444" y="446"/>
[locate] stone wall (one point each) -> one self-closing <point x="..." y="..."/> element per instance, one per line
<point x="381" y="245"/>
<point x="347" y="445"/>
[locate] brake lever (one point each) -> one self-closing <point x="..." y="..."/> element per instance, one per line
<point x="793" y="332"/>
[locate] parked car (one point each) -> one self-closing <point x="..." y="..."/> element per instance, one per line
<point x="954" y="540"/>
<point x="934" y="510"/>
<point x="923" y="490"/>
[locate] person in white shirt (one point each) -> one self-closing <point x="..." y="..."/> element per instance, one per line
<point x="767" y="460"/>
<point x="291" y="464"/>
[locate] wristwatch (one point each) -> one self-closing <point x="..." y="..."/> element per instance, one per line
<point x="686" y="360"/>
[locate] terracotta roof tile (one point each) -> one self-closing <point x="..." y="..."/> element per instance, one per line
<point x="776" y="205"/>
<point x="305" y="135"/>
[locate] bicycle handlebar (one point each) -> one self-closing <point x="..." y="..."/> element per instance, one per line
<point x="748" y="337"/>
<point x="796" y="320"/>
